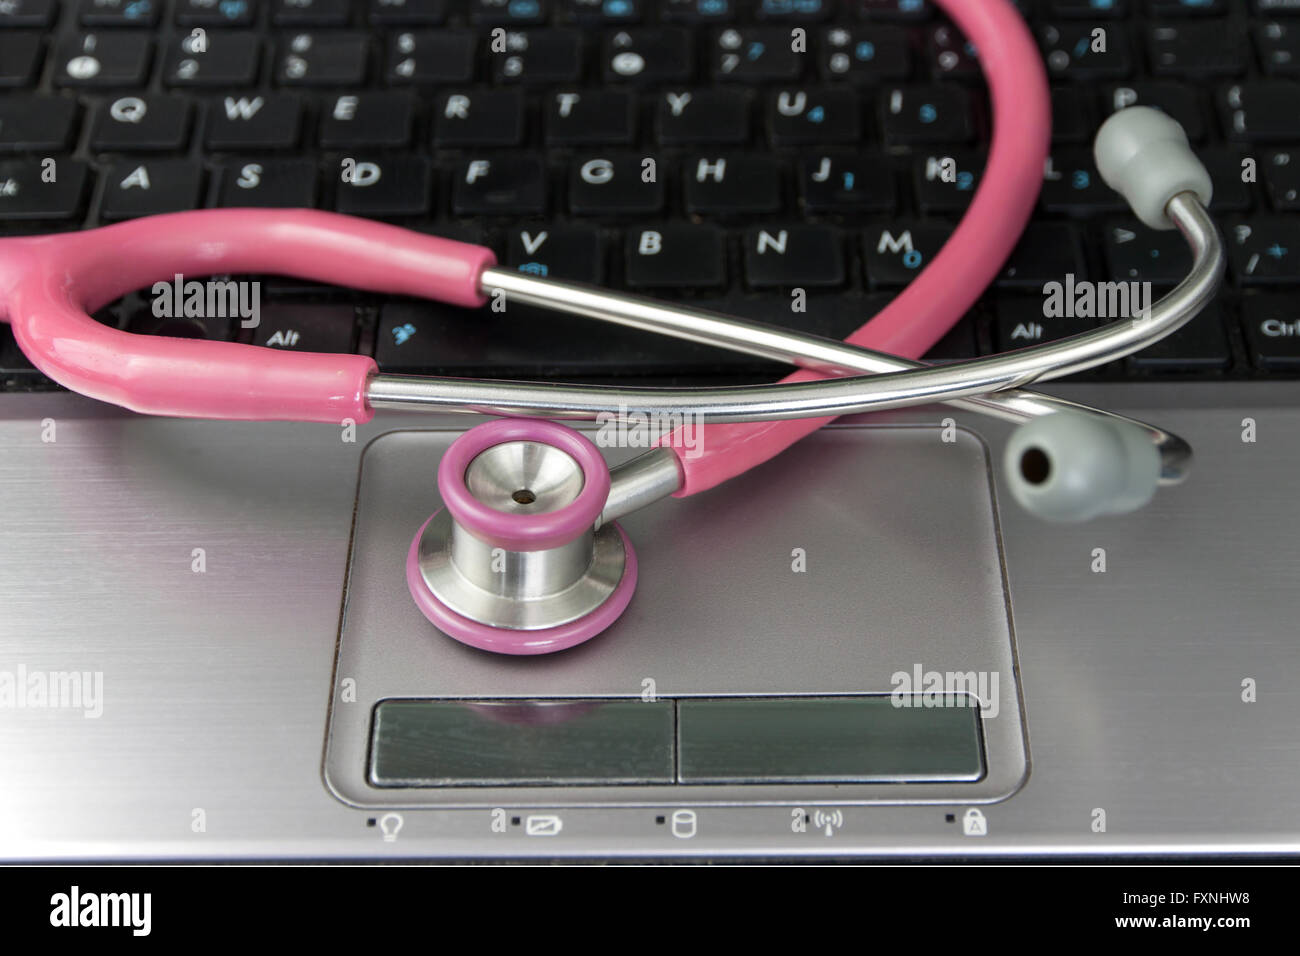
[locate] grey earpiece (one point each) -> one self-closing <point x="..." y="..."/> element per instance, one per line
<point x="1075" y="466"/>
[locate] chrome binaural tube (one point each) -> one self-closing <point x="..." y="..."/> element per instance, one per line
<point x="899" y="383"/>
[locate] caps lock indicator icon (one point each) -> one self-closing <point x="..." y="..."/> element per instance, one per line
<point x="973" y="823"/>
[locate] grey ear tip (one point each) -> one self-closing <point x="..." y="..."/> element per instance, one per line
<point x="1072" y="467"/>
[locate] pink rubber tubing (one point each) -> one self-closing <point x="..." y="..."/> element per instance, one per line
<point x="970" y="259"/>
<point x="49" y="284"/>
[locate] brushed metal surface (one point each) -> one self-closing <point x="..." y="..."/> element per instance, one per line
<point x="217" y="685"/>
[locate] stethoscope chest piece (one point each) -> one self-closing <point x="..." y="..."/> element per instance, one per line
<point x="518" y="561"/>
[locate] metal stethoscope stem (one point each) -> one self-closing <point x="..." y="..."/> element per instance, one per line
<point x="992" y="385"/>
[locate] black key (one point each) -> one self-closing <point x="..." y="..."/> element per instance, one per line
<point x="957" y="344"/>
<point x="213" y="327"/>
<point x="730" y="185"/>
<point x="910" y="11"/>
<point x="510" y="185"/>
<point x="24" y="194"/>
<point x="894" y="255"/>
<point x="367" y="119"/>
<point x="118" y="13"/>
<point x="1262" y="111"/>
<point x="479" y="118"/>
<point x="389" y="186"/>
<point x="20" y="56"/>
<point x="409" y="337"/>
<point x="508" y="13"/>
<point x="690" y="117"/>
<point x="215" y="13"/>
<point x="945" y="182"/>
<point x="1046" y="252"/>
<point x="103" y="59"/>
<point x="614" y="186"/>
<point x="1019" y="322"/>
<point x="36" y="123"/>
<point x="310" y="13"/>
<point x="1178" y="100"/>
<point x="323" y="59"/>
<point x="1278" y="47"/>
<point x="28" y="13"/>
<point x="1272" y="326"/>
<point x="661" y="55"/>
<point x="571" y="253"/>
<point x="697" y="11"/>
<point x="926" y="114"/>
<point x="268" y="183"/>
<point x="1281" y="170"/>
<point x="589" y="117"/>
<point x="1072" y="185"/>
<point x="1078" y="51"/>
<point x="950" y="54"/>
<point x="538" y="57"/>
<point x="755" y="54"/>
<point x="793" y="11"/>
<point x="144" y="189"/>
<point x="1200" y="345"/>
<point x="1200" y="49"/>
<point x="1136" y="253"/>
<point x="1225" y="169"/>
<point x="1265" y="251"/>
<point x="226" y="58"/>
<point x="14" y="365"/>
<point x="675" y="255"/>
<point x="1185" y="8"/>
<point x="1084" y="9"/>
<point x="431" y="57"/>
<point x="847" y="184"/>
<point x="812" y="117"/>
<point x="793" y="256"/>
<point x="314" y="327"/>
<point x="141" y="124"/>
<point x="407" y="13"/>
<point x="869" y="55"/>
<point x="601" y="12"/>
<point x="265" y="121"/>
<point x="1072" y="120"/>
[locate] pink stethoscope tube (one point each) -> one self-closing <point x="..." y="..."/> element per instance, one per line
<point x="49" y="284"/>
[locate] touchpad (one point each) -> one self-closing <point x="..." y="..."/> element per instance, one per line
<point x="855" y="581"/>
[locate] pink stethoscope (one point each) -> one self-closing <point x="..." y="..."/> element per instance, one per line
<point x="525" y="557"/>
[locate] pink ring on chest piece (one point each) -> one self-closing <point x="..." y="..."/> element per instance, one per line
<point x="515" y="563"/>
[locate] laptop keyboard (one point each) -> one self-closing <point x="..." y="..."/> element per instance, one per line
<point x="675" y="148"/>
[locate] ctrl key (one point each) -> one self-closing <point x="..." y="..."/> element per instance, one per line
<point x="1272" y="326"/>
<point x="31" y="189"/>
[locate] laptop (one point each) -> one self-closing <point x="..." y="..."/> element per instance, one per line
<point x="861" y="649"/>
